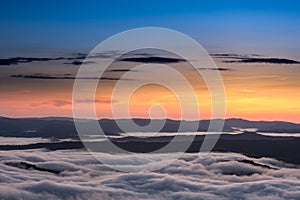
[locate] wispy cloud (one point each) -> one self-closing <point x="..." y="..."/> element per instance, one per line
<point x="122" y="70"/>
<point x="79" y="63"/>
<point x="60" y="103"/>
<point x="246" y="90"/>
<point x="64" y="77"/>
<point x="152" y="59"/>
<point x="252" y="58"/>
<point x="55" y="103"/>
<point x="264" y="60"/>
<point x="77" y="59"/>
<point x="40" y="76"/>
<point x="255" y="77"/>
<point x="226" y="55"/>
<point x="103" y="100"/>
<point x="215" y="69"/>
<point x="17" y="60"/>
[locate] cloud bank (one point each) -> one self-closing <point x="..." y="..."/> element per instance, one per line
<point x="152" y="59"/>
<point x="63" y="77"/>
<point x="210" y="176"/>
<point x="253" y="58"/>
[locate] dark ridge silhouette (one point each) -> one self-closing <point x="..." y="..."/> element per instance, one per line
<point x="50" y="146"/>
<point x="29" y="166"/>
<point x="265" y="126"/>
<point x="152" y="59"/>
<point x="249" y="144"/>
<point x="251" y="162"/>
<point x="239" y="173"/>
<point x="65" y="127"/>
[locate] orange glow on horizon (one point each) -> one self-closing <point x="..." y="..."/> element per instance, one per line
<point x="252" y="93"/>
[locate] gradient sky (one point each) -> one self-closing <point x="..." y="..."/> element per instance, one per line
<point x="256" y="91"/>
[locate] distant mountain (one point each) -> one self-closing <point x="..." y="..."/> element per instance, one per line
<point x="265" y="126"/>
<point x="59" y="127"/>
<point x="247" y="143"/>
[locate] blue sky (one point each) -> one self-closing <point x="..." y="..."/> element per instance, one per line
<point x="59" y="29"/>
<point x="35" y="27"/>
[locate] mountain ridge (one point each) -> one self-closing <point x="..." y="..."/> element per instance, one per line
<point x="60" y="127"/>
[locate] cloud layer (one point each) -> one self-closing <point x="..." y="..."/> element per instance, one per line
<point x="253" y="58"/>
<point x="265" y="60"/>
<point x="211" y="176"/>
<point x="152" y="59"/>
<point x="63" y="77"/>
<point x="77" y="59"/>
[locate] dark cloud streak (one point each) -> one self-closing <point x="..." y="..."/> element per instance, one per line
<point x="153" y="59"/>
<point x="17" y="60"/>
<point x="264" y="60"/>
<point x="215" y="69"/>
<point x="49" y="77"/>
<point x="122" y="70"/>
<point x="253" y="58"/>
<point x="79" y="62"/>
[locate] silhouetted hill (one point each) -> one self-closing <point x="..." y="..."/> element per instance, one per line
<point x="265" y="126"/>
<point x="65" y="127"/>
<point x="247" y="143"/>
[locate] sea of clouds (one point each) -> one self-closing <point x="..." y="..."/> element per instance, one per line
<point x="193" y="176"/>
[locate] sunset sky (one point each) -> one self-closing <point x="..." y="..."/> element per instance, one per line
<point x="241" y="36"/>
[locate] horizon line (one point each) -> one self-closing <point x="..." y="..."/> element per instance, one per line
<point x="106" y="118"/>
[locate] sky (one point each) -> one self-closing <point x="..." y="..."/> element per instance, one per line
<point x="254" y="90"/>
